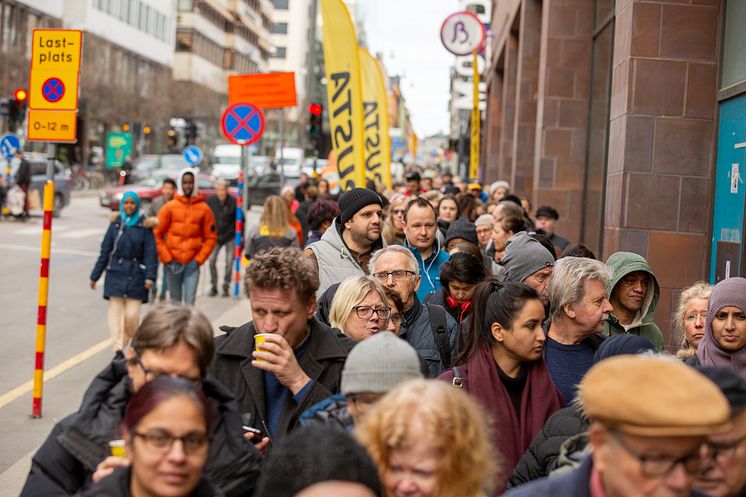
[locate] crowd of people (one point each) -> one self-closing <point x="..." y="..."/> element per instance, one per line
<point x="438" y="340"/>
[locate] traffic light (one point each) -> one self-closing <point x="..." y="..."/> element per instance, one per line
<point x="315" y="123"/>
<point x="17" y="109"/>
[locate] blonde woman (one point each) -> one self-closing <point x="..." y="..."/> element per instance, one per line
<point x="429" y="439"/>
<point x="393" y="227"/>
<point x="360" y="308"/>
<point x="273" y="230"/>
<point x="688" y="321"/>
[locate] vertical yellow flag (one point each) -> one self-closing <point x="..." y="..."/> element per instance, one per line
<point x="476" y="118"/>
<point x="375" y="120"/>
<point x="343" y="88"/>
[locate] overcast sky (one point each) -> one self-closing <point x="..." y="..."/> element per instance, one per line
<point x="407" y="32"/>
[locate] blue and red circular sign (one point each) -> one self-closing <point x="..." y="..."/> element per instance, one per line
<point x="243" y="124"/>
<point x="53" y="90"/>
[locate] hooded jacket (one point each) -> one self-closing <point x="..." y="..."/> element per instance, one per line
<point x="429" y="268"/>
<point x="186" y="227"/>
<point x="78" y="443"/>
<point x="128" y="255"/>
<point x="623" y="263"/>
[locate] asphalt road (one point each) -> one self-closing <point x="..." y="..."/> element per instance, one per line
<point x="75" y="341"/>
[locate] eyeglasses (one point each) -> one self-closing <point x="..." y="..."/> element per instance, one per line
<point x="693" y="318"/>
<point x="398" y="275"/>
<point x="151" y="375"/>
<point x="660" y="466"/>
<point x="365" y="312"/>
<point x="397" y="212"/>
<point x="724" y="450"/>
<point x="397" y="318"/>
<point x="162" y="441"/>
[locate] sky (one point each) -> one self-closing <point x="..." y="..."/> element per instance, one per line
<point x="407" y="32"/>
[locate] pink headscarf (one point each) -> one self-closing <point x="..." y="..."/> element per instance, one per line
<point x="729" y="292"/>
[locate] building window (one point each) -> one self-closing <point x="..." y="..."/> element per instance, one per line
<point x="185" y="5"/>
<point x="734" y="61"/>
<point x="281" y="4"/>
<point x="280" y="28"/>
<point x="279" y="53"/>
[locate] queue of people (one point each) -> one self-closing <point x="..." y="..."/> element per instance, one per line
<point x="518" y="370"/>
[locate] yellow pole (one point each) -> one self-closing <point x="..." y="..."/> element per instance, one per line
<point x="475" y="124"/>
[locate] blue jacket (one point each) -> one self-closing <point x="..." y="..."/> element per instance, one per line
<point x="572" y="484"/>
<point x="129" y="258"/>
<point x="429" y="269"/>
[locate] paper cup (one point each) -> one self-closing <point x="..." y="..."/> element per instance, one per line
<point x="260" y="338"/>
<point x="118" y="448"/>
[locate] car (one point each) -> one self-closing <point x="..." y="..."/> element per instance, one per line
<point x="150" y="188"/>
<point x="148" y="165"/>
<point x="262" y="186"/>
<point x="63" y="183"/>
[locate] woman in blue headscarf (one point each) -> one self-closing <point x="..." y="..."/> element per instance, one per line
<point x="128" y="254"/>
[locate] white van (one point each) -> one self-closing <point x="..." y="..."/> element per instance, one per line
<point x="292" y="159"/>
<point x="226" y="162"/>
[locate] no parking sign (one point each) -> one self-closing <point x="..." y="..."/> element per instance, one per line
<point x="243" y="123"/>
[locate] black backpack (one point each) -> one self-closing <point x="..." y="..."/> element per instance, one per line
<point x="440" y="333"/>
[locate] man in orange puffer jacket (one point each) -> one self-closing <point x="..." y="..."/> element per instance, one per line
<point x="185" y="236"/>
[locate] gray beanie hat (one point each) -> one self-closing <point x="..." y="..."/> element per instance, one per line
<point x="462" y="228"/>
<point x="378" y="364"/>
<point x="524" y="256"/>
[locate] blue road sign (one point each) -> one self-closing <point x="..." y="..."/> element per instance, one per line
<point x="9" y="143"/>
<point x="243" y="123"/>
<point x="193" y="155"/>
<point x="53" y="90"/>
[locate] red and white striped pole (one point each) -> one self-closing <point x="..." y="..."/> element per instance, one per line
<point x="41" y="317"/>
<point x="238" y="246"/>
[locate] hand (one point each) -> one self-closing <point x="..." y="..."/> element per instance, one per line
<point x="261" y="446"/>
<point x="93" y="284"/>
<point x="148" y="284"/>
<point x="107" y="466"/>
<point x="279" y="359"/>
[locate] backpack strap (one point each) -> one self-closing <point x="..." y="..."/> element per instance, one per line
<point x="457" y="377"/>
<point x="440" y="332"/>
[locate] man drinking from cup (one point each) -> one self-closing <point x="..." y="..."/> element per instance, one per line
<point x="284" y="360"/>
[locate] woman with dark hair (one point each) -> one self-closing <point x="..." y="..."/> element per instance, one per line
<point x="448" y="212"/>
<point x="320" y="217"/>
<point x="469" y="206"/>
<point x="165" y="430"/>
<point x="459" y="276"/>
<point x="502" y="355"/>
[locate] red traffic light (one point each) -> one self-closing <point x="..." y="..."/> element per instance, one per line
<point x="20" y="95"/>
<point x="315" y="109"/>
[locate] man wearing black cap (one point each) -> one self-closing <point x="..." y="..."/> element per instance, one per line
<point x="347" y="246"/>
<point x="546" y="216"/>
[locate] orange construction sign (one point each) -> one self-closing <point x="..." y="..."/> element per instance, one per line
<point x="270" y="90"/>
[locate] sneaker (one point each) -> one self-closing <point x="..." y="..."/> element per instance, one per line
<point x="213" y="292"/>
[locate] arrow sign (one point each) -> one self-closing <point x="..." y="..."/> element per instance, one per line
<point x="9" y="143"/>
<point x="242" y="123"/>
<point x="193" y="155"/>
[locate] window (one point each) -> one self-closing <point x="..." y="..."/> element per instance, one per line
<point x="280" y="28"/>
<point x="281" y="4"/>
<point x="279" y="53"/>
<point x="734" y="53"/>
<point x="185" y="5"/>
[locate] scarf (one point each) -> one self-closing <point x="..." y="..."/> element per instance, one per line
<point x="511" y="434"/>
<point x="132" y="220"/>
<point x="727" y="293"/>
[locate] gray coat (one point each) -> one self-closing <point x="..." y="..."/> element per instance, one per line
<point x="417" y="330"/>
<point x="322" y="362"/>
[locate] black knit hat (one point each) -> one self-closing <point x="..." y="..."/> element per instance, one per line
<point x="353" y="200"/>
<point x="730" y="383"/>
<point x="462" y="228"/>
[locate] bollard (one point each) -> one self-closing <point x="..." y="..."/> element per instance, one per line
<point x="239" y="238"/>
<point x="41" y="317"/>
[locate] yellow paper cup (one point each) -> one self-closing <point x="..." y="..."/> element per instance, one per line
<point x="260" y="338"/>
<point x="118" y="448"/>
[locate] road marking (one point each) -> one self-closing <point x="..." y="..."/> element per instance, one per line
<point x="77" y="234"/>
<point x="54" y="372"/>
<point x="55" y="250"/>
<point x="36" y="230"/>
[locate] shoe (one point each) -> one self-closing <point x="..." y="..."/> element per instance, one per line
<point x="225" y="293"/>
<point x="213" y="292"/>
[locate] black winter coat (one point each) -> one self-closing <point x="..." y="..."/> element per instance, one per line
<point x="225" y="217"/>
<point x="129" y="256"/>
<point x="541" y="456"/>
<point x="78" y="443"/>
<point x="117" y="484"/>
<point x="322" y="361"/>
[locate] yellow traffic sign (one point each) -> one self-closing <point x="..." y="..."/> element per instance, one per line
<point x="55" y="62"/>
<point x="52" y="125"/>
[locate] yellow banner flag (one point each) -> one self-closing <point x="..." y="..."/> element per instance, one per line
<point x="343" y="88"/>
<point x="376" y="120"/>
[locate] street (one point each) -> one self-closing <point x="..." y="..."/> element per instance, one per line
<point x="77" y="344"/>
